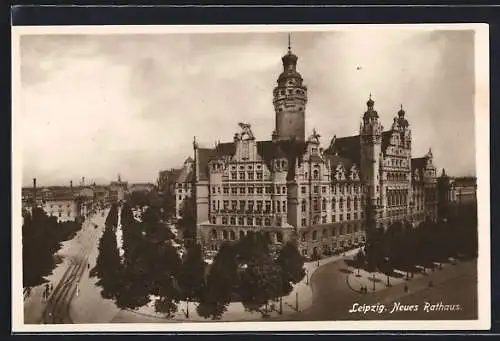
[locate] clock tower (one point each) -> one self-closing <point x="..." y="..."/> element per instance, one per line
<point x="371" y="144"/>
<point x="289" y="99"/>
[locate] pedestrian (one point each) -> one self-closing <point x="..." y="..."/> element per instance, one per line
<point x="51" y="287"/>
<point x="88" y="266"/>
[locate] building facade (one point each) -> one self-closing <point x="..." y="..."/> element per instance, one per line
<point x="183" y="185"/>
<point x="292" y="187"/>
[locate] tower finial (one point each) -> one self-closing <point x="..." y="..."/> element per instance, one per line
<point x="289" y="43"/>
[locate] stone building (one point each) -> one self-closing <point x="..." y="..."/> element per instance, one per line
<point x="183" y="185"/>
<point x="291" y="187"/>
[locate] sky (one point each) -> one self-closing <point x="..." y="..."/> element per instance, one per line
<point x="96" y="106"/>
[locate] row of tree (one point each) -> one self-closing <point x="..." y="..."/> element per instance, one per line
<point x="404" y="247"/>
<point x="41" y="239"/>
<point x="248" y="271"/>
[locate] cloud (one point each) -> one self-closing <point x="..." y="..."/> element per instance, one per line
<point x="96" y="106"/>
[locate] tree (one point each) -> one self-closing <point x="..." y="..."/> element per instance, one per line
<point x="222" y="281"/>
<point x="41" y="239"/>
<point x="112" y="218"/>
<point x="260" y="281"/>
<point x="108" y="266"/>
<point x="187" y="222"/>
<point x="360" y="260"/>
<point x="127" y="216"/>
<point x="192" y="274"/>
<point x="292" y="266"/>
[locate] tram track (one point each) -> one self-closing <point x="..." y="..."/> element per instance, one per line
<point x="57" y="309"/>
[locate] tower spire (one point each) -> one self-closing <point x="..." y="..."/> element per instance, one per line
<point x="289" y="43"/>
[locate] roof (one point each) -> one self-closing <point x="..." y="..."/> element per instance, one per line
<point x="418" y="163"/>
<point x="267" y="150"/>
<point x="185" y="175"/>
<point x="336" y="160"/>
<point x="465" y="181"/>
<point x="348" y="148"/>
<point x="386" y="139"/>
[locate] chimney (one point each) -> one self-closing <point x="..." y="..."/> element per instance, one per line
<point x="71" y="185"/>
<point x="34" y="192"/>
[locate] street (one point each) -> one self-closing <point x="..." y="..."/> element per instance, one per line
<point x="333" y="298"/>
<point x="58" y="305"/>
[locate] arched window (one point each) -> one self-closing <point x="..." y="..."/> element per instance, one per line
<point x="316" y="174"/>
<point x="213" y="234"/>
<point x="232" y="235"/>
<point x="224" y="235"/>
<point x="303" y="205"/>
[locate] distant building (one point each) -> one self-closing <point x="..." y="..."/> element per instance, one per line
<point x="464" y="189"/>
<point x="146" y="187"/>
<point x="184" y="185"/>
<point x="117" y="190"/>
<point x="166" y="181"/>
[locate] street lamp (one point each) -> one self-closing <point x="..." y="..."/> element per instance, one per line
<point x="373" y="281"/>
<point x="307" y="277"/>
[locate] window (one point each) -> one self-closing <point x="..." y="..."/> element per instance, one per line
<point x="278" y="207"/>
<point x="250" y="175"/>
<point x="267" y="222"/>
<point x="303" y="236"/>
<point x="234" y="190"/>
<point x="323" y="189"/>
<point x="284" y="190"/>
<point x="315" y="235"/>
<point x="278" y="190"/>
<point x="304" y="222"/>
<point x="259" y="175"/>
<point x="323" y="204"/>
<point x="268" y="190"/>
<point x="334" y="189"/>
<point x="233" y="175"/>
<point x="259" y="190"/>
<point x="180" y="197"/>
<point x="278" y="221"/>
<point x="241" y="221"/>
<point x="242" y="190"/>
<point x="334" y="203"/>
<point x="224" y="221"/>
<point x="214" y="221"/>
<point x="213" y="190"/>
<point x="250" y="205"/>
<point x="250" y="190"/>
<point x="242" y="205"/>
<point x="333" y="218"/>
<point x="268" y="206"/>
<point x="348" y="203"/>
<point x="214" y="205"/>
<point x="234" y="203"/>
<point x="315" y="204"/>
<point x="303" y="205"/>
<point x="69" y="213"/>
<point x="348" y="216"/>
<point x="284" y="206"/>
<point x="226" y="190"/>
<point x="341" y="217"/>
<point x="233" y="220"/>
<point x="303" y="189"/>
<point x="258" y="221"/>
<point x="355" y="203"/>
<point x="323" y="220"/>
<point x="316" y="189"/>
<point x="259" y="205"/>
<point x="316" y="174"/>
<point x="355" y="215"/>
<point x="341" y="204"/>
<point x="242" y="175"/>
